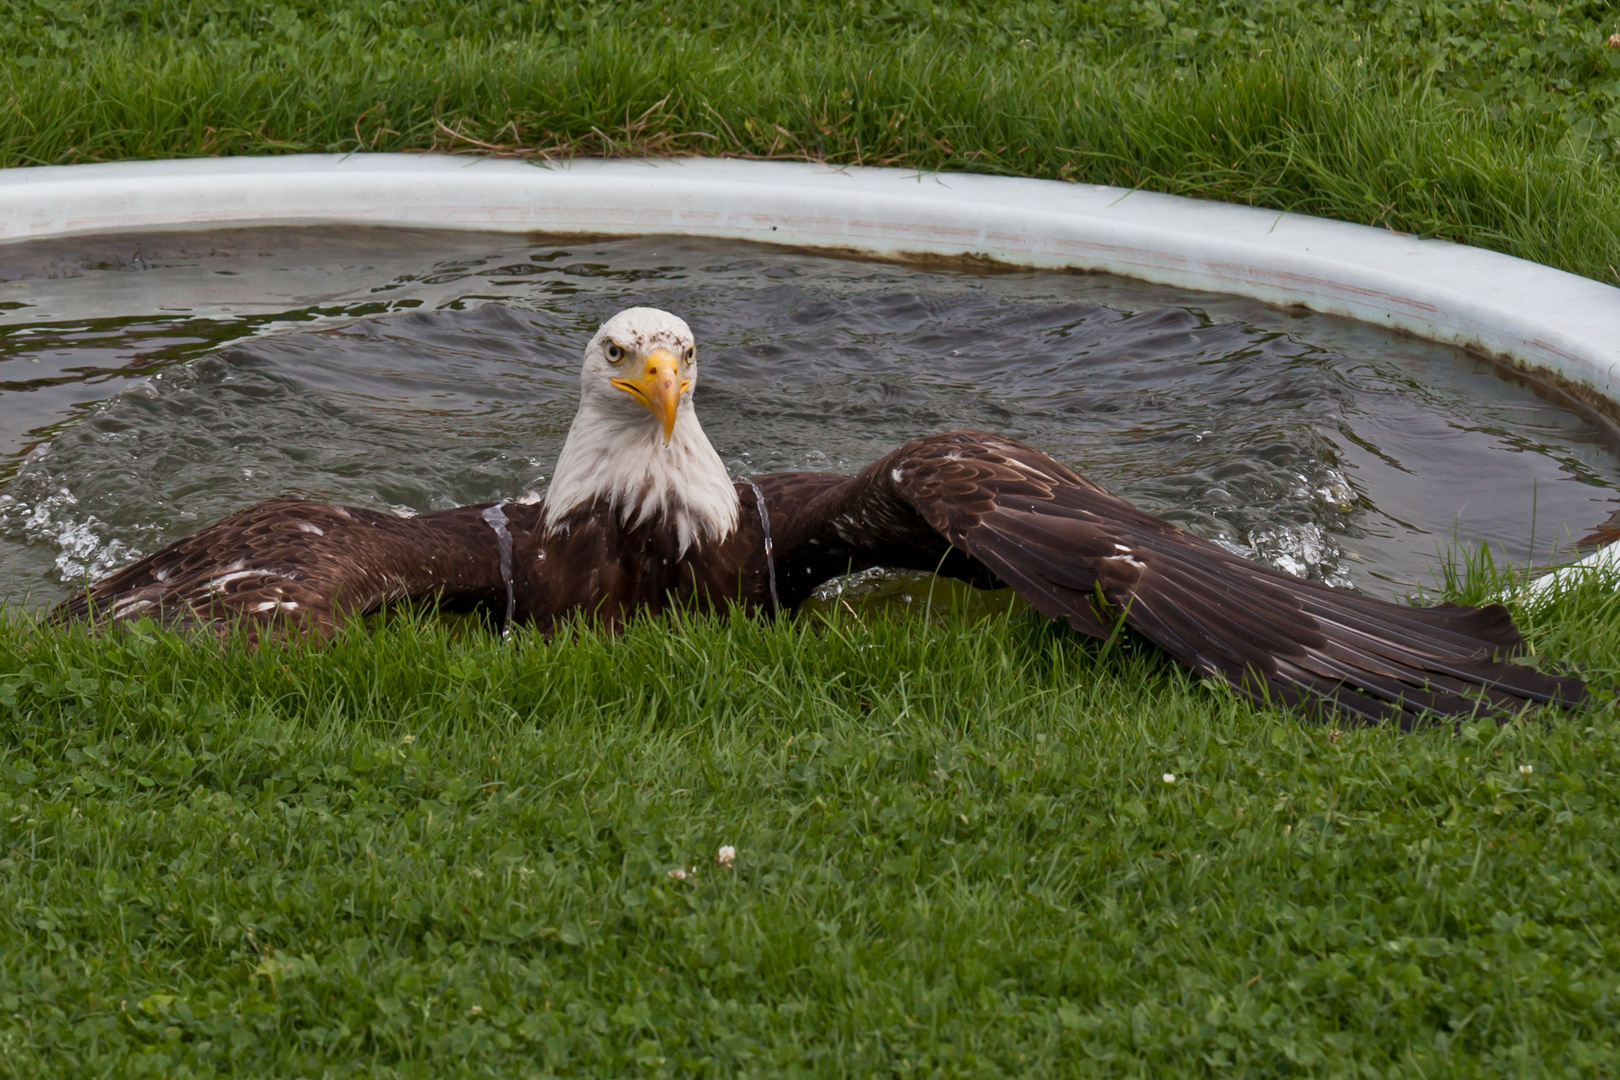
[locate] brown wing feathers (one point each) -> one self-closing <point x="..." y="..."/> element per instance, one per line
<point x="295" y="565"/>
<point x="1057" y="539"/>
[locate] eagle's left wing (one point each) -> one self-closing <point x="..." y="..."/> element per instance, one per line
<point x="1009" y="512"/>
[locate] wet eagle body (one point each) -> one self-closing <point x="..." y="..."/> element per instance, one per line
<point x="641" y="516"/>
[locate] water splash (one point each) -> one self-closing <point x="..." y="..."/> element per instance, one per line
<point x="770" y="555"/>
<point x="1304" y="550"/>
<point x="857" y="584"/>
<point x="495" y="518"/>
<point x="82" y="554"/>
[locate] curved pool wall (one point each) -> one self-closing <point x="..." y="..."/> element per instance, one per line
<point x="1545" y="321"/>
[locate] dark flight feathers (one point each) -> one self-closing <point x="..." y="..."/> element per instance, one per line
<point x="294" y="565"/>
<point x="1058" y="540"/>
<point x="983" y="508"/>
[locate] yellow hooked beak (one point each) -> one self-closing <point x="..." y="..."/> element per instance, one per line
<point x="659" y="388"/>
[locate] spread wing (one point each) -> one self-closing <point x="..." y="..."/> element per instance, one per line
<point x="302" y="566"/>
<point x="1062" y="541"/>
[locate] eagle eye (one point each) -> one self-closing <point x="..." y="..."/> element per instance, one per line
<point x="690" y="352"/>
<point x="614" y="353"/>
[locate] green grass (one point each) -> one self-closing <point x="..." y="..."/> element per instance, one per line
<point x="427" y="852"/>
<point x="1494" y="124"/>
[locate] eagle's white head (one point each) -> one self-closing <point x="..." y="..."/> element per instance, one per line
<point x="636" y="443"/>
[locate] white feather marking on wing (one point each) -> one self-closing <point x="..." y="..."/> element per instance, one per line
<point x="1026" y="467"/>
<point x="236" y="575"/>
<point x="311" y="527"/>
<point x="129" y="604"/>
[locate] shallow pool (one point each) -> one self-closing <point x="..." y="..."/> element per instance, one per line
<point x="149" y="385"/>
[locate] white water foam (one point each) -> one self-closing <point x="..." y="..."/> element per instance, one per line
<point x="82" y="553"/>
<point x="1305" y="551"/>
<point x="857" y="584"/>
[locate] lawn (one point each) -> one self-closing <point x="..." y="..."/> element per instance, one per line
<point x="963" y="846"/>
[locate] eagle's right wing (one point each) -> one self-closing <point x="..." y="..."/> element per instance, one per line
<point x="303" y="566"/>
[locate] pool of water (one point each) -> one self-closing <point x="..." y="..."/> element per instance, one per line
<point x="151" y="384"/>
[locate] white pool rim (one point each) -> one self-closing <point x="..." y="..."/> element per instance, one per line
<point x="1547" y="322"/>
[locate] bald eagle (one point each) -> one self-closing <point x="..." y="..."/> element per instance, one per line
<point x="641" y="515"/>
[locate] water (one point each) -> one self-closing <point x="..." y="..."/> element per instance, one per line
<point x="770" y="552"/>
<point x="496" y="518"/>
<point x="150" y="385"/>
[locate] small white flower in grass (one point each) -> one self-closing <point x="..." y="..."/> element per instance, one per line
<point x="1169" y="777"/>
<point x="407" y="740"/>
<point x="677" y="874"/>
<point x="727" y="856"/>
<point x="1527" y="769"/>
